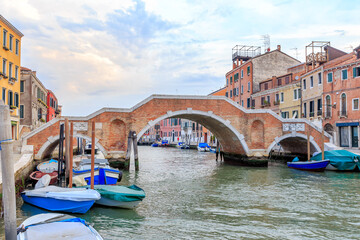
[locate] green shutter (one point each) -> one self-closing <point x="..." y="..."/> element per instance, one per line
<point x="354" y="72"/>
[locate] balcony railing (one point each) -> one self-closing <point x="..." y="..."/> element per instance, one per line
<point x="319" y="112"/>
<point x="277" y="102"/>
<point x="311" y="114"/>
<point x="342" y="113"/>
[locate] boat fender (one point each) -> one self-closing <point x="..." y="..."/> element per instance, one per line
<point x="120" y="176"/>
<point x="44" y="181"/>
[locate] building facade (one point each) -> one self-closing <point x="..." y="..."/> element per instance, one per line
<point x="10" y="55"/>
<point x="33" y="107"/>
<point x="312" y="89"/>
<point x="52" y="106"/>
<point x="341" y="99"/>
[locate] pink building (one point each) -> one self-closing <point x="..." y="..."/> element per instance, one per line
<point x="170" y="129"/>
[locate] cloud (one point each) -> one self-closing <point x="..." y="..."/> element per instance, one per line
<point x="105" y="53"/>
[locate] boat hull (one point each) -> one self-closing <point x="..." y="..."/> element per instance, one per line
<point x="315" y="166"/>
<point x="57" y="205"/>
<point x="114" y="203"/>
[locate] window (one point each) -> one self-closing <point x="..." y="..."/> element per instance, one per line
<point x="242" y="102"/>
<point x="230" y="80"/>
<point x="248" y="86"/>
<point x="248" y="70"/>
<point x="356" y="72"/>
<point x="17" y="47"/>
<point x="236" y="77"/>
<point x="21" y="111"/>
<point x="248" y="103"/>
<point x="10" y="98"/>
<point x="319" y="78"/>
<point x="330" y="77"/>
<point x="304" y="84"/>
<point x="304" y="111"/>
<point x="319" y="107"/>
<point x="355" y="104"/>
<point x="268" y="99"/>
<point x="227" y="81"/>
<point x="343" y="105"/>
<point x="311" y="82"/>
<point x="295" y="114"/>
<point x="266" y="86"/>
<point x="279" y="81"/>
<point x="344" y="136"/>
<point x="253" y="103"/>
<point x="4" y="66"/>
<point x="11" y="42"/>
<point x="277" y="98"/>
<point x="231" y="93"/>
<point x="327" y="106"/>
<point x="295" y="94"/>
<point x="10" y="70"/>
<point x="287" y="80"/>
<point x="242" y="89"/>
<point x="16" y="99"/>
<point x="237" y="91"/>
<point x="226" y="94"/>
<point x="16" y="72"/>
<point x="282" y="97"/>
<point x="262" y="101"/>
<point x="311" y="110"/>
<point x="4" y="95"/>
<point x="4" y="38"/>
<point x="285" y="114"/>
<point x="299" y="93"/>
<point x="242" y="73"/>
<point x="344" y="74"/>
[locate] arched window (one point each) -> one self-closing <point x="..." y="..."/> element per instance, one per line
<point x="343" y="105"/>
<point x="328" y="106"/>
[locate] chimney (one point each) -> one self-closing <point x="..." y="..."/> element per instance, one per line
<point x="237" y="62"/>
<point x="274" y="80"/>
<point x="279" y="47"/>
<point x="241" y="61"/>
<point x="357" y="52"/>
<point x="34" y="72"/>
<point x="234" y="65"/>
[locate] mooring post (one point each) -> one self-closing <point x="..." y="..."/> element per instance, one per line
<point x="92" y="181"/>
<point x="217" y="150"/>
<point x="308" y="143"/>
<point x="67" y="149"/>
<point x="322" y="145"/>
<point x="7" y="169"/>
<point x="71" y="154"/>
<point x="136" y="160"/>
<point x="128" y="152"/>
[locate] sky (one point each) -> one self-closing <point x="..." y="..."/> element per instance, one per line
<point x="115" y="53"/>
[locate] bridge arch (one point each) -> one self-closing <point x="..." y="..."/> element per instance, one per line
<point x="48" y="147"/>
<point x="295" y="136"/>
<point x="228" y="136"/>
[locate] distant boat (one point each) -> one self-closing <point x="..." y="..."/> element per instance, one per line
<point x="212" y="150"/>
<point x="317" y="166"/>
<point x="48" y="166"/>
<point x="340" y="160"/>
<point x="87" y="149"/>
<point x="179" y="144"/>
<point x="185" y="146"/>
<point x="155" y="145"/>
<point x="60" y="199"/>
<point x="203" y="147"/>
<point x="119" y="196"/>
<point x="56" y="226"/>
<point x="103" y="173"/>
<point x="164" y="143"/>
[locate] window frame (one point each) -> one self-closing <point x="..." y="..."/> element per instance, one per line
<point x="281" y="97"/>
<point x="342" y="74"/>
<point x="330" y="74"/>
<point x="23" y="111"/>
<point x="319" y="78"/>
<point x="354" y="109"/>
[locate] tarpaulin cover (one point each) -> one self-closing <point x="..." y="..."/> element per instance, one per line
<point x="72" y="194"/>
<point x="341" y="159"/>
<point x="121" y="193"/>
<point x="203" y="145"/>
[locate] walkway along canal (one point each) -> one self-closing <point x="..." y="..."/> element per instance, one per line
<point x="191" y="196"/>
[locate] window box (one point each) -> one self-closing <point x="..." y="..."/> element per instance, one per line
<point x="6" y="48"/>
<point x="5" y="76"/>
<point x="277" y="102"/>
<point x="13" y="107"/>
<point x="2" y="74"/>
<point x="42" y="120"/>
<point x="13" y="79"/>
<point x="41" y="101"/>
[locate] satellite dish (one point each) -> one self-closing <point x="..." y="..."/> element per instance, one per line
<point x="297" y="78"/>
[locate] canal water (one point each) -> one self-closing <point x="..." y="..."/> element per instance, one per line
<point x="191" y="196"/>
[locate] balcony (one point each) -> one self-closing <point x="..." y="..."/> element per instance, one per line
<point x="277" y="102"/>
<point x="265" y="104"/>
<point x="6" y="48"/>
<point x="342" y="114"/>
<point x="319" y="112"/>
<point x="12" y="80"/>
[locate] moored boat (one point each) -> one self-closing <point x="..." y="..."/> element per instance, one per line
<point x="35" y="176"/>
<point x="317" y="166"/>
<point x="180" y="144"/>
<point x="164" y="143"/>
<point x="340" y="160"/>
<point x="56" y="226"/>
<point x="155" y="145"/>
<point x="119" y="196"/>
<point x="203" y="147"/>
<point x="60" y="199"/>
<point x="48" y="166"/>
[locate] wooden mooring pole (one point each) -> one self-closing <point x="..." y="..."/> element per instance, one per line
<point x="136" y="159"/>
<point x="92" y="154"/>
<point x="7" y="169"/>
<point x="67" y="149"/>
<point x="322" y="145"/>
<point x="217" y="150"/>
<point x="308" y="144"/>
<point x="128" y="152"/>
<point x="71" y="154"/>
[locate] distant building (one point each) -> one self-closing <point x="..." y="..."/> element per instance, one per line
<point x="52" y="103"/>
<point x="33" y="107"/>
<point x="220" y="92"/>
<point x="250" y="67"/>
<point x="10" y="51"/>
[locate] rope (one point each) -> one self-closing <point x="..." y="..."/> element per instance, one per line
<point x="6" y="141"/>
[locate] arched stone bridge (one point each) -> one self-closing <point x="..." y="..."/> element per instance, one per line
<point x="243" y="133"/>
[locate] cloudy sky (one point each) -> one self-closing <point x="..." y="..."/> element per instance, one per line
<point x="115" y="53"/>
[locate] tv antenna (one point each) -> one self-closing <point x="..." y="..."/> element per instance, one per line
<point x="266" y="41"/>
<point x="296" y="52"/>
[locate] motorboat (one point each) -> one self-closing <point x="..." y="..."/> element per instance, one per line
<point x="155" y="144"/>
<point x="316" y="166"/>
<point x="164" y="143"/>
<point x="56" y="226"/>
<point x="340" y="160"/>
<point x="48" y="166"/>
<point x="185" y="146"/>
<point x="180" y="144"/>
<point x="60" y="199"/>
<point x="203" y="147"/>
<point x="119" y="196"/>
<point x="103" y="173"/>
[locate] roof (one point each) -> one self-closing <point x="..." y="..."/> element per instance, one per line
<point x="343" y="60"/>
<point x="25" y="69"/>
<point x="11" y="26"/>
<point x="51" y="92"/>
<point x="219" y="92"/>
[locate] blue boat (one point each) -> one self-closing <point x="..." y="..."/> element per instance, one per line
<point x="164" y="143"/>
<point x="60" y="199"/>
<point x="179" y="144"/>
<point x="103" y="173"/>
<point x="203" y="147"/>
<point x="185" y="146"/>
<point x="155" y="145"/>
<point x="212" y="150"/>
<point x="56" y="226"/>
<point x="316" y="166"/>
<point x="340" y="160"/>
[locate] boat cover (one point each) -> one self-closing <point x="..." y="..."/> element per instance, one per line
<point x="164" y="141"/>
<point x="121" y="193"/>
<point x="71" y="194"/>
<point x="203" y="145"/>
<point x="48" y="166"/>
<point x="341" y="159"/>
<point x="96" y="161"/>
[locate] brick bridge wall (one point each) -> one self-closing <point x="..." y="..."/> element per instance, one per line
<point x="240" y="131"/>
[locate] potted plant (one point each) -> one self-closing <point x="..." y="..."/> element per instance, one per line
<point x="42" y="120"/>
<point x="12" y="107"/>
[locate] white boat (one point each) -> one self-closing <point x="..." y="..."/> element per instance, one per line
<point x="203" y="147"/>
<point x="54" y="226"/>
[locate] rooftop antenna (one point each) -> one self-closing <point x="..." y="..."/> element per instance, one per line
<point x="266" y="41"/>
<point x="296" y="52"/>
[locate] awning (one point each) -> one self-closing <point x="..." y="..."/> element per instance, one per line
<point x="347" y="124"/>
